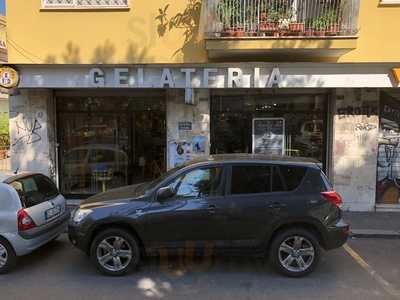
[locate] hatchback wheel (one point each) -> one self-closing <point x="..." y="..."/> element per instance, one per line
<point x="115" y="252"/>
<point x="7" y="257"/>
<point x="295" y="252"/>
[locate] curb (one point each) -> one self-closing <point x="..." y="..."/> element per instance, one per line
<point x="375" y="234"/>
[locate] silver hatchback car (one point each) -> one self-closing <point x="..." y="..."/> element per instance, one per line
<point x="32" y="213"/>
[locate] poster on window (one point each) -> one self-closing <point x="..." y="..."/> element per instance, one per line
<point x="269" y="136"/>
<point x="179" y="153"/>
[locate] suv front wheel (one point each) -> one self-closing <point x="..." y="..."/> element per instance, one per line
<point x="115" y="252"/>
<point x="295" y="252"/>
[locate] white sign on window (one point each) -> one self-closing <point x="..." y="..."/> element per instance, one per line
<point x="269" y="136"/>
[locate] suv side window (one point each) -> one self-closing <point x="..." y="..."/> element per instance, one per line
<point x="293" y="176"/>
<point x="251" y="179"/>
<point x="199" y="183"/>
<point x="315" y="182"/>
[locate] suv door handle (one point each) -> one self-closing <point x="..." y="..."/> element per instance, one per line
<point x="211" y="209"/>
<point x="277" y="206"/>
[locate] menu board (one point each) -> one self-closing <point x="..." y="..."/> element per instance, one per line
<point x="269" y="136"/>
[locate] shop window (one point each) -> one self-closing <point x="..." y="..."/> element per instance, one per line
<point x="109" y="141"/>
<point x="293" y="125"/>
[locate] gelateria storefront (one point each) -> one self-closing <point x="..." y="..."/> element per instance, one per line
<point x="93" y="128"/>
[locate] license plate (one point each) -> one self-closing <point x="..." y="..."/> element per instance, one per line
<point x="52" y="212"/>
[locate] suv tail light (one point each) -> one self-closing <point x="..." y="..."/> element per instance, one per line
<point x="333" y="197"/>
<point x="25" y="222"/>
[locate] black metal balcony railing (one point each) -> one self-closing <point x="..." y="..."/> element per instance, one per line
<point x="281" y="18"/>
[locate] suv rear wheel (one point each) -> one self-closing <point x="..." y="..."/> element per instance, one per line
<point x="295" y="252"/>
<point x="115" y="252"/>
<point x="7" y="257"/>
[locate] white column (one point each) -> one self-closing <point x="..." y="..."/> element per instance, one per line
<point x="355" y="143"/>
<point x="32" y="132"/>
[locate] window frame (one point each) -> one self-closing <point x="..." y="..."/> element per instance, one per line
<point x="74" y="6"/>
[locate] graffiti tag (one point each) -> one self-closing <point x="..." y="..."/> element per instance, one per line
<point x="365" y="127"/>
<point x="28" y="131"/>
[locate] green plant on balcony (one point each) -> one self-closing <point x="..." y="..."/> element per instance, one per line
<point x="332" y="19"/>
<point x="270" y="20"/>
<point x="326" y="24"/>
<point x="230" y="14"/>
<point x="225" y="14"/>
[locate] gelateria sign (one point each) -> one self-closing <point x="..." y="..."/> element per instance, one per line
<point x="185" y="77"/>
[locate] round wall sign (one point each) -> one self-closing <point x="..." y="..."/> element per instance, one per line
<point x="9" y="77"/>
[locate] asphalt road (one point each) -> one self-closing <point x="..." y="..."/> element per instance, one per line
<point x="366" y="269"/>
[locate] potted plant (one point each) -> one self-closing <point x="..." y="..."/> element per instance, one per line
<point x="271" y="21"/>
<point x="297" y="26"/>
<point x="333" y="26"/>
<point x="319" y="26"/>
<point x="225" y="13"/>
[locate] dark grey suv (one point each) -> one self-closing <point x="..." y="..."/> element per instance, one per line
<point x="281" y="207"/>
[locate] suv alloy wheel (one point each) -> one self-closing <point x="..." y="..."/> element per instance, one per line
<point x="7" y="257"/>
<point x="295" y="252"/>
<point x="115" y="252"/>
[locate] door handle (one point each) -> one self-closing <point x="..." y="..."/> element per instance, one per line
<point x="211" y="209"/>
<point x="276" y="206"/>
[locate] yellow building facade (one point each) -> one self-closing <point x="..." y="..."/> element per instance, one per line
<point x="165" y="32"/>
<point x="114" y="92"/>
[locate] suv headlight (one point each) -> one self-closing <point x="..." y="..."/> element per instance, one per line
<point x="81" y="214"/>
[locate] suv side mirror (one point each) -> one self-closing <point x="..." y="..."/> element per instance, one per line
<point x="165" y="193"/>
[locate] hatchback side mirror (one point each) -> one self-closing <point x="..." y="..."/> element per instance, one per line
<point x="165" y="193"/>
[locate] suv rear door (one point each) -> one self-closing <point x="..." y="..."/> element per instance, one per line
<point x="40" y="198"/>
<point x="259" y="197"/>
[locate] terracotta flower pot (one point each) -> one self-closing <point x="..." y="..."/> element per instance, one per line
<point x="228" y="32"/>
<point x="239" y="32"/>
<point x="333" y="29"/>
<point x="319" y="32"/>
<point x="297" y="27"/>
<point x="269" y="26"/>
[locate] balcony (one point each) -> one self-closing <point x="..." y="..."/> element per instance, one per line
<point x="306" y="27"/>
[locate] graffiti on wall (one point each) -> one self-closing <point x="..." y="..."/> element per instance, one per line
<point x="28" y="131"/>
<point x="388" y="160"/>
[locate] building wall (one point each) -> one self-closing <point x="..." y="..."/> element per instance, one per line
<point x="32" y="132"/>
<point x="144" y="34"/>
<point x="355" y="144"/>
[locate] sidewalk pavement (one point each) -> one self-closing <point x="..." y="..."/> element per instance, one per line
<point x="374" y="224"/>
